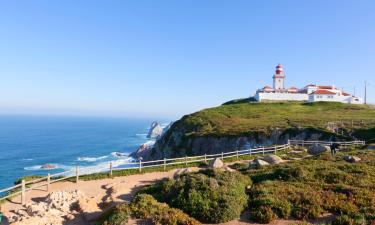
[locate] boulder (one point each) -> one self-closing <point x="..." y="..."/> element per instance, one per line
<point x="318" y="149"/>
<point x="216" y="164"/>
<point x="260" y="162"/>
<point x="155" y="131"/>
<point x="272" y="159"/>
<point x="351" y="159"/>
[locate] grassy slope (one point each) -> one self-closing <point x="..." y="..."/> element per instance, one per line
<point x="240" y="118"/>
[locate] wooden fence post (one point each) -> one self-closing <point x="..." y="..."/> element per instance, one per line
<point x="110" y="170"/>
<point x="48" y="181"/>
<point x="140" y="165"/>
<point x="77" y="174"/>
<point x="165" y="164"/>
<point x="205" y="158"/>
<point x="23" y="194"/>
<point x="250" y="151"/>
<point x="222" y="156"/>
<point x="263" y="150"/>
<point x="186" y="159"/>
<point x="275" y="150"/>
<point x="237" y="154"/>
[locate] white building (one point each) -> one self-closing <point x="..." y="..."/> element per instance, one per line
<point x="310" y="93"/>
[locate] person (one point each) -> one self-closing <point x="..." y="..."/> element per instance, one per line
<point x="334" y="146"/>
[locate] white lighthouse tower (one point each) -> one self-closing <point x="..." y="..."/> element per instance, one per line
<point x="279" y="78"/>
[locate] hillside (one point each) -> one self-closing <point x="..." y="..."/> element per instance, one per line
<point x="239" y="124"/>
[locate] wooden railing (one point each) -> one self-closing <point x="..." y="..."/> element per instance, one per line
<point x="46" y="181"/>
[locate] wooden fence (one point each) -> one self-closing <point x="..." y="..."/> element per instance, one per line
<point x="46" y="181"/>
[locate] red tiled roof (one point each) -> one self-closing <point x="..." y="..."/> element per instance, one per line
<point x="323" y="92"/>
<point x="325" y="87"/>
<point x="293" y="88"/>
<point x="345" y="94"/>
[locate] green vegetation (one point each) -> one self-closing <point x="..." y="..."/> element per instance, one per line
<point x="240" y="118"/>
<point x="307" y="189"/>
<point x="209" y="196"/>
<point x="146" y="207"/>
<point x="302" y="189"/>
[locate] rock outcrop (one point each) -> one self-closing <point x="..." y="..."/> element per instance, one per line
<point x="155" y="131"/>
<point x="351" y="159"/>
<point x="55" y="209"/>
<point x="259" y="163"/>
<point x="272" y="159"/>
<point x="318" y="149"/>
<point x="216" y="164"/>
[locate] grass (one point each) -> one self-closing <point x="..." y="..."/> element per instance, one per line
<point x="243" y="117"/>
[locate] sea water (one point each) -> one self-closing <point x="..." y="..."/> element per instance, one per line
<point x="29" y="142"/>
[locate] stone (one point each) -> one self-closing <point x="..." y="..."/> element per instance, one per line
<point x="260" y="162"/>
<point x="272" y="159"/>
<point x="351" y="159"/>
<point x="48" y="166"/>
<point x="216" y="164"/>
<point x="318" y="149"/>
<point x="155" y="131"/>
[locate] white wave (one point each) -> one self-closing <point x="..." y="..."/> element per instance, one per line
<point x="91" y="159"/>
<point x="27" y="159"/>
<point x="143" y="135"/>
<point x="100" y="167"/>
<point x="118" y="154"/>
<point x="36" y="167"/>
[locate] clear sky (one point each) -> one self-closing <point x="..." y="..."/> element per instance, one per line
<point x="169" y="58"/>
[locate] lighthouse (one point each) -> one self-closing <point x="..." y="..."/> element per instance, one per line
<point x="279" y="78"/>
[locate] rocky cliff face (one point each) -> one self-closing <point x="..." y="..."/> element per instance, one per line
<point x="177" y="142"/>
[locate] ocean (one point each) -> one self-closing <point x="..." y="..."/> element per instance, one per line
<point x="29" y="142"/>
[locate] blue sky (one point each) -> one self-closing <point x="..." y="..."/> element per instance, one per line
<point x="169" y="58"/>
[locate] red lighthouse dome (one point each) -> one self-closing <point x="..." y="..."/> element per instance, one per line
<point x="279" y="69"/>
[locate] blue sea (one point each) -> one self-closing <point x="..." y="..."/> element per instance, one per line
<point x="29" y="142"/>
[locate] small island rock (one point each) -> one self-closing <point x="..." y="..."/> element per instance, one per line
<point x="48" y="166"/>
<point x="155" y="131"/>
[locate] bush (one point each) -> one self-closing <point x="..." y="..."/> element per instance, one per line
<point x="119" y="216"/>
<point x="145" y="206"/>
<point x="263" y="214"/>
<point x="209" y="196"/>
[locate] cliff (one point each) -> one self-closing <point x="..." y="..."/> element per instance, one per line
<point x="238" y="125"/>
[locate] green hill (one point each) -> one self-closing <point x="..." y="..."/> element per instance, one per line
<point x="238" y="124"/>
<point x="242" y="118"/>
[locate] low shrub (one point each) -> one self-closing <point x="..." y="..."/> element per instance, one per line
<point x="145" y="206"/>
<point x="209" y="196"/>
<point x="264" y="214"/>
<point x="119" y="215"/>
